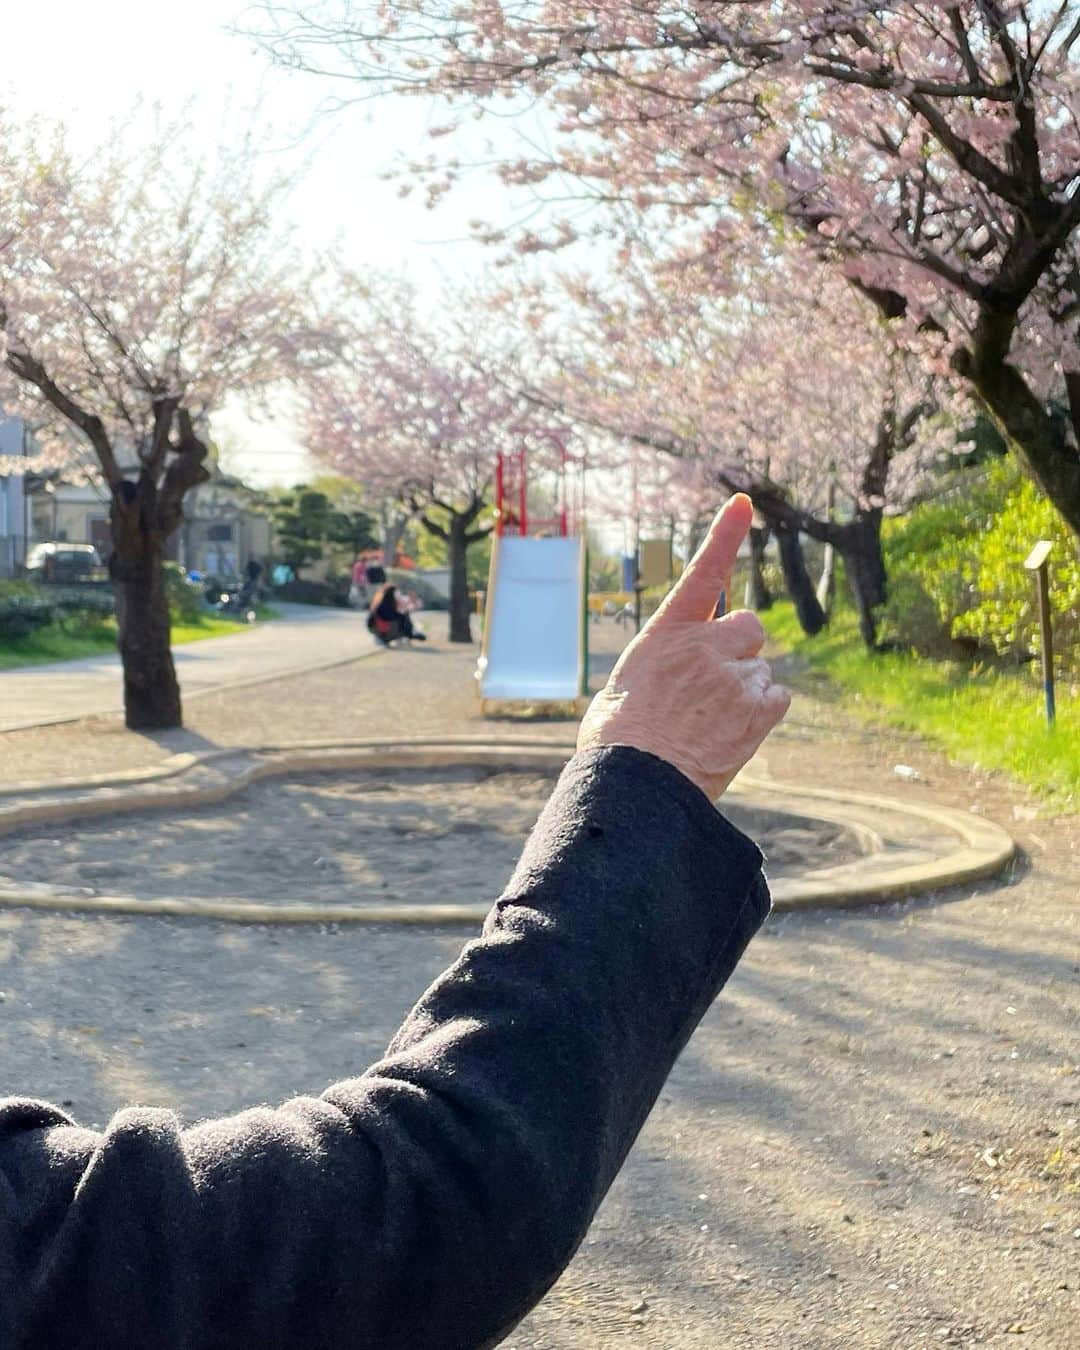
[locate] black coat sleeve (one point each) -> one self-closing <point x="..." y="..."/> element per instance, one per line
<point x="432" y="1201"/>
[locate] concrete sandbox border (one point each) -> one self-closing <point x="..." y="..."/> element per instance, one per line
<point x="961" y="848"/>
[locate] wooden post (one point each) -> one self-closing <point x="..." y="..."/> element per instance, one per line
<point x="1037" y="562"/>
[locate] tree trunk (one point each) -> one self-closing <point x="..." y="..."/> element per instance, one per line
<point x="826" y="587"/>
<point x="864" y="563"/>
<point x="393" y="528"/>
<point x="457" y="545"/>
<point x="151" y="690"/>
<point x="811" y="616"/>
<point x="758" y="595"/>
<point x="1038" y="438"/>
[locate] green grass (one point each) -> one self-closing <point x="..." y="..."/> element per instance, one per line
<point x="74" y="638"/>
<point x="209" y="627"/>
<point x="989" y="717"/>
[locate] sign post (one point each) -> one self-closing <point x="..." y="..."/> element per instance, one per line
<point x="1036" y="562"/>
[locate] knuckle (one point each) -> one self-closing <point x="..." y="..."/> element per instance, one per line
<point x="744" y="625"/>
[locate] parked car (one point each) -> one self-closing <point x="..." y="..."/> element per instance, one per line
<point x="63" y="562"/>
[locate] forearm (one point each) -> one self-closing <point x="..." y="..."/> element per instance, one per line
<point x="536" y="1058"/>
<point x="433" y="1200"/>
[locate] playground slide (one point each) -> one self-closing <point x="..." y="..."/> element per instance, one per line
<point x="534" y="624"/>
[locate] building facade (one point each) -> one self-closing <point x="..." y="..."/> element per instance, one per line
<point x="225" y="525"/>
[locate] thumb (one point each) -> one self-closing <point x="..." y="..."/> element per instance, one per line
<point x="694" y="595"/>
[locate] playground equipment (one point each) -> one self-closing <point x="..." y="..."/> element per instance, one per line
<point x="535" y="622"/>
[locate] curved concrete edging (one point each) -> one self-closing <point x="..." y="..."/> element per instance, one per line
<point x="982" y="848"/>
<point x="986" y="849"/>
<point x="188" y="759"/>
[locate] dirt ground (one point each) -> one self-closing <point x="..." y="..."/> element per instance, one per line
<point x="873" y="1140"/>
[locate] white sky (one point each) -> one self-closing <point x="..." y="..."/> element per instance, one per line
<point x="89" y="63"/>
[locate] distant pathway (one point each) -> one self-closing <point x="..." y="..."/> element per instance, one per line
<point x="304" y="638"/>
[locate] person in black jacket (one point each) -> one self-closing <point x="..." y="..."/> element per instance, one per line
<point x="430" y="1202"/>
<point x="387" y="621"/>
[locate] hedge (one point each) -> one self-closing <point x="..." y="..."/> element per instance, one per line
<point x="956" y="575"/>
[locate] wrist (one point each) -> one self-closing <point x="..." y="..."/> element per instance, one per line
<point x="710" y="785"/>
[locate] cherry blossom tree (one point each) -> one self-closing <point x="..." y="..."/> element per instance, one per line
<point x="142" y="286"/>
<point x="412" y="412"/>
<point x="930" y="152"/>
<point x="802" y="406"/>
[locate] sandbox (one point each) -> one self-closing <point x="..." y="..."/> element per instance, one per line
<point x="413" y="832"/>
<point x="407" y="836"/>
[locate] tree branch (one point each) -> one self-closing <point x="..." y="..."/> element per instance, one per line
<point x="969" y="159"/>
<point x="164" y="412"/>
<point x="27" y="367"/>
<point x="433" y="527"/>
<point x="187" y="470"/>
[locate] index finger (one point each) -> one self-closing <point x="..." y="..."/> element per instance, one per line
<point x="694" y="595"/>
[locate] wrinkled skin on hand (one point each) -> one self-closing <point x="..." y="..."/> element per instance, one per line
<point x="692" y="689"/>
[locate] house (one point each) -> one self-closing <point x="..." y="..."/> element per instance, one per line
<point x="13" y="445"/>
<point x="69" y="513"/>
<point x="225" y="524"/>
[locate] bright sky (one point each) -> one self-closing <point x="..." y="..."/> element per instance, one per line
<point x="89" y="63"/>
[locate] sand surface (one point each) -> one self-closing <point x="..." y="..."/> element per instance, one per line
<point x="409" y="837"/>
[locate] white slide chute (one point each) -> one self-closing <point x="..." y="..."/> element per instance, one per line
<point x="534" y="621"/>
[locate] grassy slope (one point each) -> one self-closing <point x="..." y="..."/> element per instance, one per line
<point x="55" y="643"/>
<point x="994" y="719"/>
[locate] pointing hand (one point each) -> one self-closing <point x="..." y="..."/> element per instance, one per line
<point x="692" y="689"/>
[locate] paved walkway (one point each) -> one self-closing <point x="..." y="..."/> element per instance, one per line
<point x="871" y="1143"/>
<point x="424" y="690"/>
<point x="303" y="638"/>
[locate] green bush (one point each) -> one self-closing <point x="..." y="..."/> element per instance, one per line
<point x="84" y="602"/>
<point x="956" y="575"/>
<point x="23" y="614"/>
<point x="185" y="600"/>
<point x="27" y="608"/>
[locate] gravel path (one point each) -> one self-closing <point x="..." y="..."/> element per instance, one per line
<point x="872" y="1140"/>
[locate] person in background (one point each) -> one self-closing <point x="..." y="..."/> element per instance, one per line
<point x="358" y="587"/>
<point x="249" y="591"/>
<point x="388" y="619"/>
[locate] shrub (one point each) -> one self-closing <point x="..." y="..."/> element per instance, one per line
<point x="22" y="614"/>
<point x="26" y="607"/>
<point x="956" y="570"/>
<point x="185" y="600"/>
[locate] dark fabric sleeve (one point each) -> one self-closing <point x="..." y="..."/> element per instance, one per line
<point x="429" y="1203"/>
